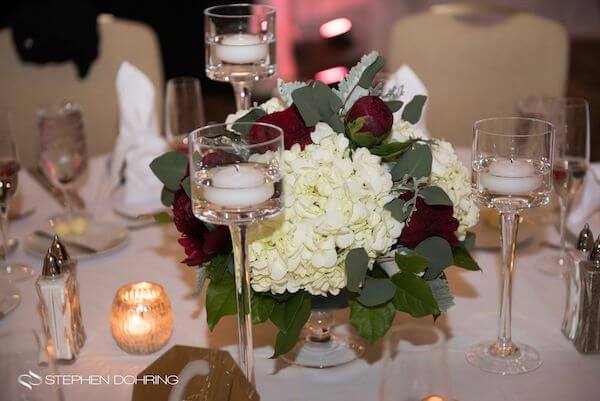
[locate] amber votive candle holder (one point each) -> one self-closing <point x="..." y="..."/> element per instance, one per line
<point x="141" y="318"/>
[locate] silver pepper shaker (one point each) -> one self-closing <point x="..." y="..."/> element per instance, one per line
<point x="61" y="312"/>
<point x="572" y="279"/>
<point x="587" y="338"/>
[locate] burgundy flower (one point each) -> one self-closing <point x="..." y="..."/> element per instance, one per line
<point x="369" y="121"/>
<point x="428" y="221"/>
<point x="218" y="157"/>
<point x="200" y="243"/>
<point x="292" y="124"/>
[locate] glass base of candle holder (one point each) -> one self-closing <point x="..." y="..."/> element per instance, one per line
<point x="521" y="359"/>
<point x="550" y="265"/>
<point x="16" y="271"/>
<point x="338" y="350"/>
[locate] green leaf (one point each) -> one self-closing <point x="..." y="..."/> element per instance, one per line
<point x="463" y="259"/>
<point x="376" y="291"/>
<point x="166" y="196"/>
<point x="220" y="300"/>
<point x="414" y="108"/>
<point x="250" y="117"/>
<point x="186" y="185"/>
<point x="336" y="123"/>
<point x="285" y="340"/>
<point x="413" y="295"/>
<point x="394" y="105"/>
<point x="441" y="292"/>
<point x="217" y="267"/>
<point x="371" y="323"/>
<point x="357" y="264"/>
<point x="162" y="217"/>
<point x="411" y="263"/>
<point x="396" y="207"/>
<point x="391" y="150"/>
<point x="363" y="140"/>
<point x="262" y="307"/>
<point x="366" y="79"/>
<point x="415" y="162"/>
<point x="434" y="195"/>
<point x="170" y="168"/>
<point x="284" y="313"/>
<point x="326" y="101"/>
<point x="438" y="253"/>
<point x="469" y="242"/>
<point x="304" y="101"/>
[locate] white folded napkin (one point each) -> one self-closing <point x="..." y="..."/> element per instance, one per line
<point x="587" y="202"/>
<point x="412" y="85"/>
<point x="139" y="139"/>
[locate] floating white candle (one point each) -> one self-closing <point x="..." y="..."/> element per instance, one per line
<point x="241" y="48"/>
<point x="511" y="177"/>
<point x="238" y="185"/>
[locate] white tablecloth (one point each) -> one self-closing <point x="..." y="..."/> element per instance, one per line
<point x="153" y="255"/>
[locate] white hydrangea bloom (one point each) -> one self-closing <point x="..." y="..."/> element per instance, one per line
<point x="270" y="106"/>
<point x="334" y="202"/>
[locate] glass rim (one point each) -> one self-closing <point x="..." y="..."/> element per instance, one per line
<point x="210" y="11"/>
<point x="441" y="337"/>
<point x="193" y="136"/>
<point x="569" y="101"/>
<point x="548" y="124"/>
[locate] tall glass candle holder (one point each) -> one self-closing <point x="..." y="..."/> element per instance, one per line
<point x="240" y="46"/>
<point x="235" y="181"/>
<point x="511" y="172"/>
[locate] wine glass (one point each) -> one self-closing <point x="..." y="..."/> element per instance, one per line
<point x="236" y="181"/>
<point x="184" y="111"/>
<point x="27" y="367"/>
<point x="62" y="149"/>
<point x="415" y="365"/>
<point x="9" y="180"/>
<point x="511" y="172"/>
<point x="240" y="46"/>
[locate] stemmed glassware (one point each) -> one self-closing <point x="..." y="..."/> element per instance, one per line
<point x="240" y="46"/>
<point x="236" y="181"/>
<point x="9" y="180"/>
<point x="511" y="172"/>
<point x="62" y="151"/>
<point x="184" y="111"/>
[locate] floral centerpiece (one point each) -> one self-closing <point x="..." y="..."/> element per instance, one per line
<point x="372" y="209"/>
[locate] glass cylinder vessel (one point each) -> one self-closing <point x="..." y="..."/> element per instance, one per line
<point x="240" y="46"/>
<point x="142" y="318"/>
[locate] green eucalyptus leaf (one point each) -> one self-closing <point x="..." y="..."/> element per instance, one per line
<point x="366" y="79"/>
<point x="336" y="123"/>
<point x="220" y="300"/>
<point x="441" y="292"/>
<point x="371" y="323"/>
<point x="434" y="195"/>
<point x="414" y="108"/>
<point x="326" y="101"/>
<point x="462" y="258"/>
<point x="438" y="253"/>
<point x="413" y="295"/>
<point x="217" y="267"/>
<point x="469" y="242"/>
<point x="304" y="101"/>
<point x="357" y="264"/>
<point x="415" y="162"/>
<point x="285" y="340"/>
<point x="376" y="291"/>
<point x="186" y="185"/>
<point x="394" y="105"/>
<point x="166" y="196"/>
<point x="284" y="313"/>
<point x="170" y="168"/>
<point x="391" y="150"/>
<point x="412" y="263"/>
<point x="250" y="117"/>
<point x="262" y="307"/>
<point x="396" y="207"/>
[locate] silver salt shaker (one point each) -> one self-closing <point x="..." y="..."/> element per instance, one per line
<point x="572" y="279"/>
<point x="587" y="337"/>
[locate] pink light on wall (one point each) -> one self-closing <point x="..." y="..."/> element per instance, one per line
<point x="331" y="75"/>
<point x="336" y="27"/>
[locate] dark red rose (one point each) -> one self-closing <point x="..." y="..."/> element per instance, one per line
<point x="292" y="124"/>
<point x="369" y="121"/>
<point x="218" y="157"/>
<point x="428" y="221"/>
<point x="200" y="243"/>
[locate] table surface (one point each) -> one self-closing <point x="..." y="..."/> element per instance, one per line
<point x="153" y="255"/>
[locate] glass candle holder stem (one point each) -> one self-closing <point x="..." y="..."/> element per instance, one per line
<point x="565" y="208"/>
<point x="243" y="94"/>
<point x="243" y="291"/>
<point x="509" y="225"/>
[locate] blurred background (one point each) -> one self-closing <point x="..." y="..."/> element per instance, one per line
<point x="506" y="49"/>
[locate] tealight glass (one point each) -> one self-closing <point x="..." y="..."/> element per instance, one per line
<point x="240" y="46"/>
<point x="236" y="181"/>
<point x="511" y="172"/>
<point x="142" y="318"/>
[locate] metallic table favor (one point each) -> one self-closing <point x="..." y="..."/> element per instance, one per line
<point x="587" y="338"/>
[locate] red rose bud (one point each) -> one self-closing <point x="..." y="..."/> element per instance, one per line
<point x="218" y="157"/>
<point x="292" y="124"/>
<point x="369" y="121"/>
